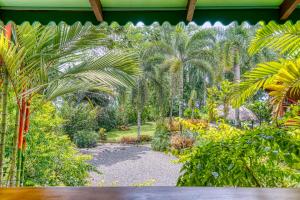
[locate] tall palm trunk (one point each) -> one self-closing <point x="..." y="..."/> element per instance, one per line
<point x="193" y="111"/>
<point x="160" y="103"/>
<point x="181" y="93"/>
<point x="173" y="88"/>
<point x="171" y="111"/>
<point x="204" y="92"/>
<point x="139" y="123"/>
<point x="3" y="130"/>
<point x="237" y="78"/>
<point x="181" y="97"/>
<point x="12" y="170"/>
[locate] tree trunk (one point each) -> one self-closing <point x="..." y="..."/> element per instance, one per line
<point x="181" y="94"/>
<point x="181" y="97"/>
<point x="171" y="112"/>
<point x="3" y="130"/>
<point x="139" y="123"/>
<point x="3" y="123"/>
<point x="193" y="110"/>
<point x="12" y="170"/>
<point x="237" y="78"/>
<point x="204" y="92"/>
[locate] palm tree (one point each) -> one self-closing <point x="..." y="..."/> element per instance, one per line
<point x="157" y="77"/>
<point x="182" y="53"/>
<point x="4" y="96"/>
<point x="236" y="40"/>
<point x="279" y="78"/>
<point x="139" y="98"/>
<point x="36" y="64"/>
<point x="192" y="102"/>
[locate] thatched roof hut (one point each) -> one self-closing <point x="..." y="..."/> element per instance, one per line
<point x="245" y="113"/>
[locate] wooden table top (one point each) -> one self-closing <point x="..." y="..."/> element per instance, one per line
<point x="145" y="193"/>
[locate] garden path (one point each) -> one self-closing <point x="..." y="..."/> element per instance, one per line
<point x="132" y="165"/>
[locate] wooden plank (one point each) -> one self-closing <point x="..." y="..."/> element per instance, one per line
<point x="97" y="8"/>
<point x="191" y="5"/>
<point x="287" y="7"/>
<point x="153" y="193"/>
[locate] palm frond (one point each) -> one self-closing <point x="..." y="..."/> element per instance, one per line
<point x="258" y="78"/>
<point x="284" y="39"/>
<point x="280" y="79"/>
<point x="127" y="62"/>
<point x="70" y="39"/>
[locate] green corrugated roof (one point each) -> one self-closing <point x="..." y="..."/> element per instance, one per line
<point x="147" y="11"/>
<point x="136" y="4"/>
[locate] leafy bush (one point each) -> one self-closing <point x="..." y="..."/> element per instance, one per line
<point x="52" y="160"/>
<point x="106" y="118"/>
<point x="194" y="124"/>
<point x="102" y="134"/>
<point x="77" y="118"/>
<point x="292" y="116"/>
<point x="181" y="142"/>
<point x="161" y="138"/>
<point x="134" y="139"/>
<point x="86" y="139"/>
<point x="174" y="126"/>
<point x="51" y="157"/>
<point x="188" y="113"/>
<point x="146" y="138"/>
<point x="264" y="157"/>
<point x="129" y="140"/>
<point x="262" y="110"/>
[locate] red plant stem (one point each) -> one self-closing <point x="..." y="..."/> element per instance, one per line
<point x="8" y="31"/>
<point x="21" y="123"/>
<point x="26" y="126"/>
<point x="20" y="139"/>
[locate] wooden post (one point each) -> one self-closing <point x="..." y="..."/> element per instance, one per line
<point x="97" y="8"/>
<point x="191" y="5"/>
<point x="287" y="7"/>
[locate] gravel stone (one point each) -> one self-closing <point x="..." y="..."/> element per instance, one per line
<point x="132" y="165"/>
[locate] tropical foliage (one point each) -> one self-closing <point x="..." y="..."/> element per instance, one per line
<point x="264" y="157"/>
<point x="47" y="60"/>
<point x="64" y="85"/>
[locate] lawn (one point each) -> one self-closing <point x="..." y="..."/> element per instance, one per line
<point x="148" y="128"/>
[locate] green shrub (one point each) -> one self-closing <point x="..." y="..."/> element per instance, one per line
<point x="102" y="134"/>
<point x="106" y="118"/>
<point x="86" y="139"/>
<point x="263" y="157"/>
<point x="188" y="113"/>
<point x="262" y="110"/>
<point x="146" y="138"/>
<point x="51" y="157"/>
<point x="77" y="118"/>
<point x="161" y="138"/>
<point x="52" y="160"/>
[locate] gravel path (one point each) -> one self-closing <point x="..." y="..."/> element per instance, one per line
<point x="132" y="165"/>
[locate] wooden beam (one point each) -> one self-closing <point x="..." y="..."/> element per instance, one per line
<point x="97" y="8"/>
<point x="287" y="7"/>
<point x="191" y="5"/>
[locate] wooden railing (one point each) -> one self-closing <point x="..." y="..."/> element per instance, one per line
<point x="145" y="193"/>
